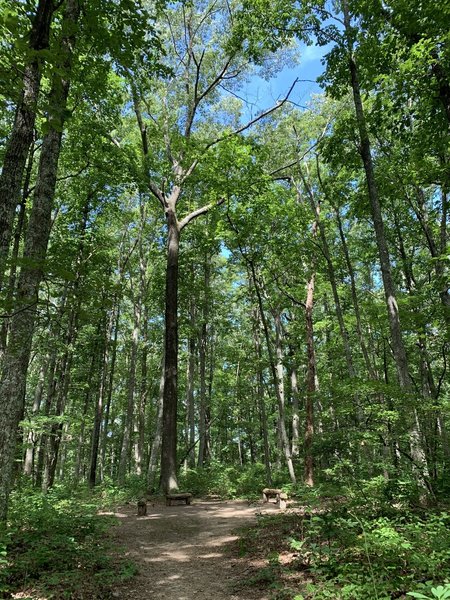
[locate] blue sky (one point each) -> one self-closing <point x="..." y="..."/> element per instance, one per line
<point x="262" y="94"/>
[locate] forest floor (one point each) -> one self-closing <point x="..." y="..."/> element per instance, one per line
<point x="188" y="552"/>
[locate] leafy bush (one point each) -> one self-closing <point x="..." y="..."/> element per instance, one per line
<point x="214" y="479"/>
<point x="346" y="555"/>
<point x="56" y="544"/>
<point x="226" y="482"/>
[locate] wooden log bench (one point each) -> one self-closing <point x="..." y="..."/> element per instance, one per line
<point x="279" y="495"/>
<point x="175" y="497"/>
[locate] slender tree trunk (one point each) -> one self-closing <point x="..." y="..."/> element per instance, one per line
<point x="398" y="347"/>
<point x="139" y="441"/>
<point x="280" y="401"/>
<point x="203" y="352"/>
<point x="129" y="418"/>
<point x="190" y="404"/>
<point x="15" y="367"/>
<point x="260" y="396"/>
<point x="169" y="479"/>
<point x="32" y="437"/>
<point x="202" y="412"/>
<point x="18" y="234"/>
<point x="112" y="371"/>
<point x="101" y="399"/>
<point x="55" y="436"/>
<point x="315" y="207"/>
<point x="80" y="458"/>
<point x="64" y="368"/>
<point x="157" y="438"/>
<point x="359" y="330"/>
<point x="50" y="397"/>
<point x="310" y="382"/>
<point x="295" y="413"/>
<point x="140" y="454"/>
<point x="21" y="137"/>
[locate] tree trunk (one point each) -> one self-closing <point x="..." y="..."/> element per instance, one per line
<point x="280" y="401"/>
<point x="203" y="429"/>
<point x="168" y="480"/>
<point x="112" y="370"/>
<point x="19" y="232"/>
<point x="21" y="137"/>
<point x="310" y="382"/>
<point x="295" y="413"/>
<point x="398" y="348"/>
<point x="32" y="437"/>
<point x="101" y="399"/>
<point x="140" y="453"/>
<point x="157" y="438"/>
<point x="129" y="418"/>
<point x="370" y="369"/>
<point x="260" y="396"/>
<point x="315" y="207"/>
<point x="15" y="367"/>
<point x="190" y="404"/>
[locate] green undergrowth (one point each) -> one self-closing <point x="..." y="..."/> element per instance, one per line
<point x="340" y="551"/>
<point x="57" y="545"/>
<point x="227" y="481"/>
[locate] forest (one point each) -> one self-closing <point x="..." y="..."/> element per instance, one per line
<point x="214" y="289"/>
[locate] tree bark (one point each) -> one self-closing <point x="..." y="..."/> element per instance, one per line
<point x="190" y="404"/>
<point x="21" y="137"/>
<point x="168" y="480"/>
<point x="101" y="398"/>
<point x="370" y="369"/>
<point x="129" y="418"/>
<point x="15" y="367"/>
<point x="203" y="428"/>
<point x="280" y="401"/>
<point x="157" y="438"/>
<point x="28" y="465"/>
<point x="260" y="396"/>
<point x="398" y="348"/>
<point x="295" y="413"/>
<point x="112" y="370"/>
<point x="310" y="382"/>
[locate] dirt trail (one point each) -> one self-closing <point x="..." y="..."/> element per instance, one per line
<point x="182" y="553"/>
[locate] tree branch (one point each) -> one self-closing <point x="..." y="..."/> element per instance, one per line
<point x="249" y="124"/>
<point x="200" y="211"/>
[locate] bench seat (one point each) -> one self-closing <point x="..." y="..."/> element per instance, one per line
<point x="175" y="497"/>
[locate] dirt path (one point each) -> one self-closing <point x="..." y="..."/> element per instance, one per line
<point x="183" y="551"/>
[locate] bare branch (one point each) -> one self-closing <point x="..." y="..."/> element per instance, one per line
<point x="200" y="211"/>
<point x="253" y="121"/>
<point x="18" y="311"/>
<point x="199" y="97"/>
<point x="140" y="121"/>
<point x="189" y="172"/>
<point x="158" y="194"/>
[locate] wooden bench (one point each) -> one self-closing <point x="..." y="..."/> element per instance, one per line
<point x="182" y="496"/>
<point x="279" y="495"/>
